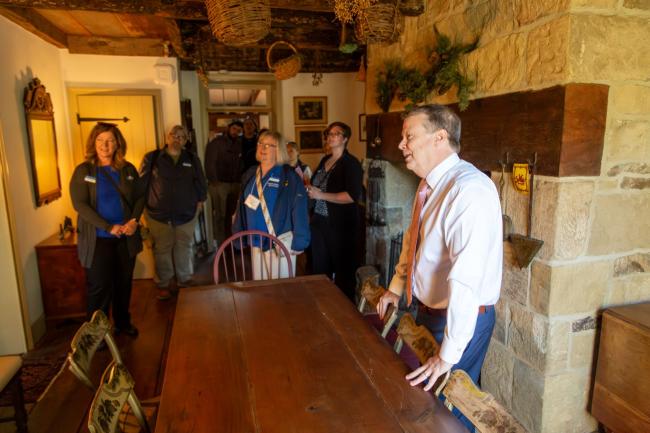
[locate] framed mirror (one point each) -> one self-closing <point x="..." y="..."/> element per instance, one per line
<point x="39" y="116"/>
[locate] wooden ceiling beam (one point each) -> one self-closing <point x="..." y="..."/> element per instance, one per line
<point x="188" y="10"/>
<point x="35" y="23"/>
<point x="116" y="46"/>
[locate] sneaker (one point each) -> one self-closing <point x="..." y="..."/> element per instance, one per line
<point x="164" y="294"/>
<point x="129" y="330"/>
<point x="187" y="283"/>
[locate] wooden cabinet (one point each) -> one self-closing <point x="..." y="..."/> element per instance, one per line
<point x="622" y="389"/>
<point x="63" y="279"/>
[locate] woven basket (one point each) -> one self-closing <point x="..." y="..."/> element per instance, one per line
<point x="411" y="8"/>
<point x="382" y="23"/>
<point x="238" y="23"/>
<point x="284" y="68"/>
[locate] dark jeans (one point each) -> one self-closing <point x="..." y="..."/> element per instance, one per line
<point x="334" y="253"/>
<point x="109" y="278"/>
<point x="474" y="354"/>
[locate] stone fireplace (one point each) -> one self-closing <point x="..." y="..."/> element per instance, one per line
<point x="595" y="224"/>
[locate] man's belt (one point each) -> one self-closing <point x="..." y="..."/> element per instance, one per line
<point x="443" y="311"/>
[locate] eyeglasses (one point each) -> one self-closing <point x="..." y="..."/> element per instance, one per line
<point x="334" y="134"/>
<point x="109" y="141"/>
<point x="266" y="145"/>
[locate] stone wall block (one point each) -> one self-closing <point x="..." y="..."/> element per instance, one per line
<point x="628" y="140"/>
<point x="630" y="99"/>
<point x="496" y="375"/>
<point x="584" y="324"/>
<point x="620" y="223"/>
<point x="579" y="288"/>
<point x="546" y="54"/>
<point x="557" y="353"/>
<point x="582" y="349"/>
<point x="630" y="167"/>
<point x="545" y="209"/>
<point x="637" y="4"/>
<point x="528" y="336"/>
<point x="502" y="320"/>
<point x="635" y="183"/>
<point x="609" y="47"/>
<point x="540" y="287"/>
<point x="492" y="18"/>
<point x="499" y="63"/>
<point x="527" y="396"/>
<point x="600" y="4"/>
<point x="630" y="290"/>
<point x="571" y="219"/>
<point x="566" y="398"/>
<point x="632" y="264"/>
<point x="530" y="11"/>
<point x="604" y="185"/>
<point x="514" y="285"/>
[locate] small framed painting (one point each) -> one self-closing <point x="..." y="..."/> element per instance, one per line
<point x="310" y="138"/>
<point x="362" y="128"/>
<point x="309" y="110"/>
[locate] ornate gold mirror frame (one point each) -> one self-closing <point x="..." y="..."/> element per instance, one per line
<point x="39" y="115"/>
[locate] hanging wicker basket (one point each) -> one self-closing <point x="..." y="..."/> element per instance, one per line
<point x="411" y="8"/>
<point x="284" y="68"/>
<point x="238" y="23"/>
<point x="381" y="23"/>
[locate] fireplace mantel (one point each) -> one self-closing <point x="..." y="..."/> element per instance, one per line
<point x="564" y="125"/>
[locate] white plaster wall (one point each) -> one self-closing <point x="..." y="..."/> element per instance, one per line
<point x="26" y="56"/>
<point x="124" y="72"/>
<point x="345" y="101"/>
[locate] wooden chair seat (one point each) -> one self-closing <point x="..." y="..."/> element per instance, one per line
<point x="10" y="382"/>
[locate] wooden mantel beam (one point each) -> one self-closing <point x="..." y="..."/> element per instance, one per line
<point x="36" y="24"/>
<point x="188" y="10"/>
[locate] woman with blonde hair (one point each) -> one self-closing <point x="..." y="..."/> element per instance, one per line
<point x="274" y="188"/>
<point x="109" y="200"/>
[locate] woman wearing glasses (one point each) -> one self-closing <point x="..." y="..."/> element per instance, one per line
<point x="336" y="188"/>
<point x="109" y="200"/>
<point x="273" y="200"/>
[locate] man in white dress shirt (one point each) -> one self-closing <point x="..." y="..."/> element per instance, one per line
<point x="454" y="269"/>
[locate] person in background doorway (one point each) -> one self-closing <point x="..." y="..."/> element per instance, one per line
<point x="274" y="188"/>
<point x="336" y="188"/>
<point x="175" y="190"/>
<point x="108" y="198"/>
<point x="451" y="260"/>
<point x="302" y="170"/>
<point x="223" y="167"/>
<point x="249" y="143"/>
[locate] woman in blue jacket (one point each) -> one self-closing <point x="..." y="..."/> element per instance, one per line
<point x="284" y="198"/>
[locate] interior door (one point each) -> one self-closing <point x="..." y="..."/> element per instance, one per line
<point x="140" y="132"/>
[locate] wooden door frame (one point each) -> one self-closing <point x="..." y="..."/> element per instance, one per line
<point x="73" y="109"/>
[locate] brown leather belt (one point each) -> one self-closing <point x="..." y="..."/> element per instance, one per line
<point x="443" y="311"/>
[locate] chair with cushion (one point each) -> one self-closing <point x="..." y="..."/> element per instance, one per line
<point x="237" y="261"/>
<point x="85" y="343"/>
<point x="10" y="370"/>
<point x="115" y="407"/>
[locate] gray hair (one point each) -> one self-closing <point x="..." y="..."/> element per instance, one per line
<point x="441" y="117"/>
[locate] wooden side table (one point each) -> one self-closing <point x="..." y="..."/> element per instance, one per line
<point x="63" y="279"/>
<point x="622" y="389"/>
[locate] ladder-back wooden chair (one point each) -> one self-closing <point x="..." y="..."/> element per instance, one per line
<point x="116" y="408"/>
<point x="86" y="342"/>
<point x="236" y="260"/>
<point x="480" y="407"/>
<point x="371" y="292"/>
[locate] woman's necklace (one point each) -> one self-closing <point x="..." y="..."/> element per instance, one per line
<point x="330" y="163"/>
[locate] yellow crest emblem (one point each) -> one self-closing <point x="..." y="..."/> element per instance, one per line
<point x="521" y="177"/>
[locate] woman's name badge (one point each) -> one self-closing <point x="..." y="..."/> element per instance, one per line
<point x="252" y="202"/>
<point x="90" y="179"/>
<point x="187" y="164"/>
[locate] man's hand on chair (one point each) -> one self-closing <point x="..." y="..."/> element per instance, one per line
<point x="386" y="299"/>
<point x="430" y="370"/>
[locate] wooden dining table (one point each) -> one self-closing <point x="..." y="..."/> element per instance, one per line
<point x="286" y="356"/>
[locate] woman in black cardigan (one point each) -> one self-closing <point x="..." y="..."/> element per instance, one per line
<point x="336" y="188"/>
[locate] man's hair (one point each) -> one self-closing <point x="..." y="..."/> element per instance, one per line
<point x="441" y="117"/>
<point x="347" y="131"/>
<point x="235" y="123"/>
<point x="281" y="155"/>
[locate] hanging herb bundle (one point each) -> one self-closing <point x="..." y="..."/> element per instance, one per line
<point x="444" y="72"/>
<point x="387" y="84"/>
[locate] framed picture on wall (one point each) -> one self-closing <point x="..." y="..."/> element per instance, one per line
<point x="362" y="127"/>
<point x="309" y="110"/>
<point x="310" y="138"/>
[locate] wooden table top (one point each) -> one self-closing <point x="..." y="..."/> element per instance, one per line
<point x="285" y="356"/>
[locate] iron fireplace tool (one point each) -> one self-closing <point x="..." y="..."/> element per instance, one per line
<point x="527" y="247"/>
<point x="506" y="220"/>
